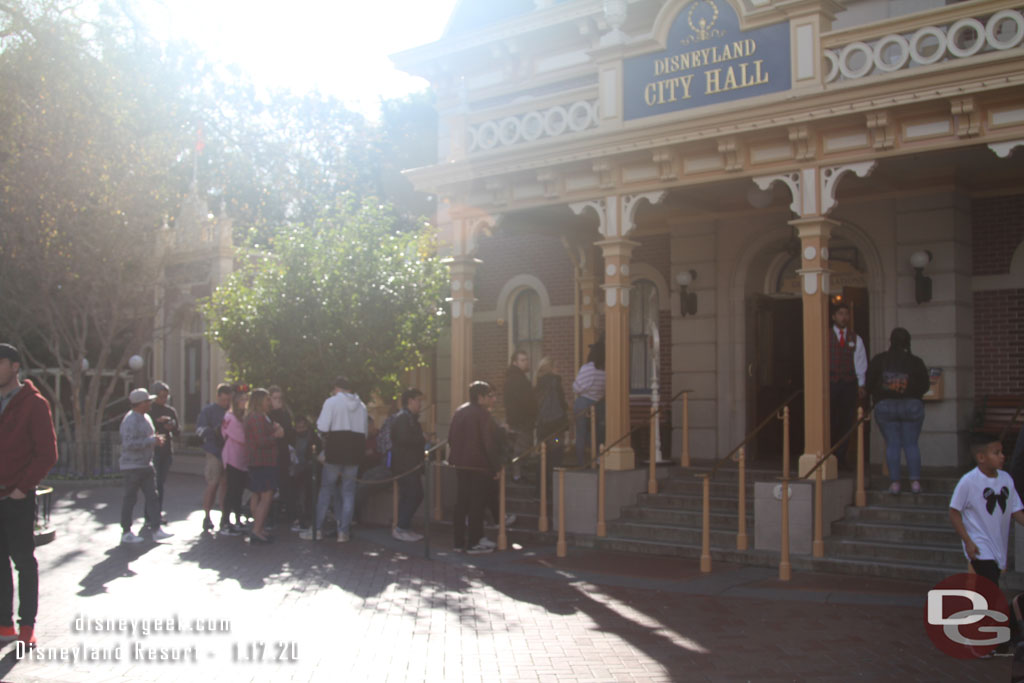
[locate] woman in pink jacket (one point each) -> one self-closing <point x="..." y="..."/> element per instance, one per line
<point x="235" y="461"/>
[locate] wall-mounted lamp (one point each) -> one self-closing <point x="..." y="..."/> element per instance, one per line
<point x="687" y="300"/>
<point x="922" y="283"/>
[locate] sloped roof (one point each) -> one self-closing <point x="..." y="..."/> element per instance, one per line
<point x="470" y="15"/>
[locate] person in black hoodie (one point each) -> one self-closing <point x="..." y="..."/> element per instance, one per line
<point x="897" y="380"/>
<point x="407" y="446"/>
<point x="520" y="406"/>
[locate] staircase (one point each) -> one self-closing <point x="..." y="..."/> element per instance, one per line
<point x="904" y="537"/>
<point x="669" y="522"/>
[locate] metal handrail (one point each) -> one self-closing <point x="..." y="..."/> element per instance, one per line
<point x="832" y="451"/>
<point x="772" y="416"/>
<point x="625" y="436"/>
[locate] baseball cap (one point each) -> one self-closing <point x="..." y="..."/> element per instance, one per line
<point x="159" y="386"/>
<point x="10" y="353"/>
<point x="139" y="395"/>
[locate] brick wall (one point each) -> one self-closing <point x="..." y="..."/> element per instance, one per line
<point x="999" y="342"/>
<point x="997" y="229"/>
<point x="506" y="255"/>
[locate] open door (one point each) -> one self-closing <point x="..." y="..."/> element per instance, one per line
<point x="775" y="369"/>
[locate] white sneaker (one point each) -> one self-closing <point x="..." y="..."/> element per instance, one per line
<point x="486" y="543"/>
<point x="160" y="535"/>
<point x="343" y="537"/>
<point x="306" y="535"/>
<point x="479" y="549"/>
<point x="406" y="535"/>
<point x="129" y="537"/>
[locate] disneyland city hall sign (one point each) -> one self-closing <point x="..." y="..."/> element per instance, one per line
<point x="707" y="60"/>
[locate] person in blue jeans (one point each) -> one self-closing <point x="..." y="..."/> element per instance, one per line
<point x="343" y="422"/>
<point x="589" y="390"/>
<point x="897" y="381"/>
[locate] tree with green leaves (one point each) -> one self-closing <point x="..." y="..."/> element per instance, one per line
<point x="86" y="141"/>
<point x="350" y="294"/>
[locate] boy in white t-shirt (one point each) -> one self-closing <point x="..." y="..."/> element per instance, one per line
<point x="981" y="507"/>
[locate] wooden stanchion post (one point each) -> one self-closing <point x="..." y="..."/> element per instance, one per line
<point x="860" y="499"/>
<point x="437" y="484"/>
<point x="652" y="479"/>
<point x="705" y="531"/>
<point x="741" y="534"/>
<point x="785" y="569"/>
<point x="502" y="537"/>
<point x="593" y="436"/>
<point x="601" y="529"/>
<point x="560" y="547"/>
<point x="394" y="505"/>
<point x="818" y="549"/>
<point x="542" y="519"/>
<point x="686" y="430"/>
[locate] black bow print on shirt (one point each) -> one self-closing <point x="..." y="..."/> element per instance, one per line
<point x="991" y="499"/>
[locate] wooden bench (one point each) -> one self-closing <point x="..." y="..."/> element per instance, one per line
<point x="1001" y="415"/>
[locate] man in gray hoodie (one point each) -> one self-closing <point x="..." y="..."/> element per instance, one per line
<point x="343" y="424"/>
<point x="138" y="439"/>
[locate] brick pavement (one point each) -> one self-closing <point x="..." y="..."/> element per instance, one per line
<point x="376" y="610"/>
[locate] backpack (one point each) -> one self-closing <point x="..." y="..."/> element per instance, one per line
<point x="550" y="408"/>
<point x="384" y="438"/>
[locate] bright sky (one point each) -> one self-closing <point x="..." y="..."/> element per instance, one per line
<point x="340" y="47"/>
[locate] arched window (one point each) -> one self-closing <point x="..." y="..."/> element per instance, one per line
<point x="643" y="311"/>
<point x="526" y="325"/>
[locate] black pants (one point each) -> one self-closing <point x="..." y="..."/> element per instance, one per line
<point x="17" y="543"/>
<point x="843" y="408"/>
<point x="473" y="489"/>
<point x="987" y="569"/>
<point x="136" y="480"/>
<point x="410" y="495"/>
<point x="162" y="463"/>
<point x="233" y="495"/>
<point x="301" y="500"/>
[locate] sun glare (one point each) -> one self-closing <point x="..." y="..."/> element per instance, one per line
<point x="341" y="49"/>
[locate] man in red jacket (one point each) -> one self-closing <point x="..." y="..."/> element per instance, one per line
<point x="474" y="451"/>
<point x="28" y="449"/>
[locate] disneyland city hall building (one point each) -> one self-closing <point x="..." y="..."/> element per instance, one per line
<point x="696" y="182"/>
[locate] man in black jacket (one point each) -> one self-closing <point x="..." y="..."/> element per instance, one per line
<point x="520" y="406"/>
<point x="407" y="446"/>
<point x="165" y="419"/>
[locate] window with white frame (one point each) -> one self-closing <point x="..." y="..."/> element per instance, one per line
<point x="526" y="325"/>
<point x="643" y="312"/>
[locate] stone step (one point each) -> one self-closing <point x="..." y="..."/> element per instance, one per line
<point x="933" y="501"/>
<point x="927" y="575"/>
<point x="667" y="533"/>
<point x="934" y="517"/>
<point x="722" y="489"/>
<point x="689" y="519"/>
<point x="896" y="533"/>
<point x="949" y="557"/>
<point x="675" y="501"/>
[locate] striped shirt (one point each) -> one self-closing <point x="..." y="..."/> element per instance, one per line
<point x="589" y="383"/>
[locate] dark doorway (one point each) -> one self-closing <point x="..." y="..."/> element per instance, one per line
<point x="775" y="370"/>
